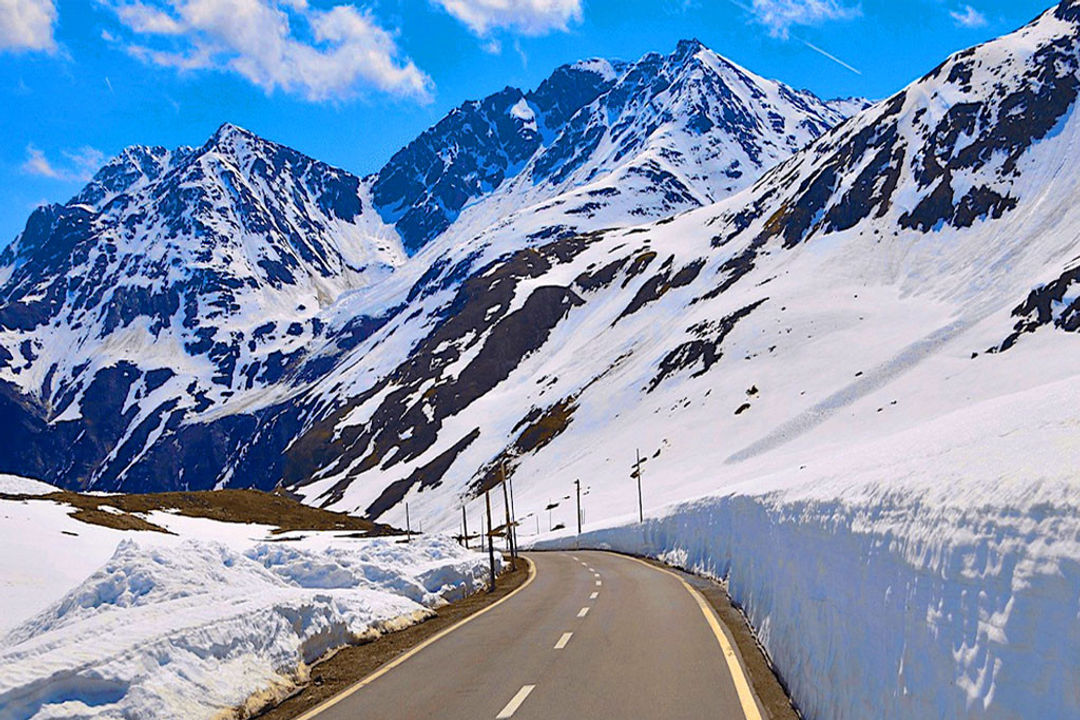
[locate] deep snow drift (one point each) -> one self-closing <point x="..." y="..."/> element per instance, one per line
<point x="194" y="624"/>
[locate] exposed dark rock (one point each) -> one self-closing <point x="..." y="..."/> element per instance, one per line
<point x="704" y="349"/>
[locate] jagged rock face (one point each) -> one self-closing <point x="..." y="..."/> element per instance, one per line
<point x="692" y="110"/>
<point x="475" y="148"/>
<point x="945" y="152"/>
<point x="134" y="167"/>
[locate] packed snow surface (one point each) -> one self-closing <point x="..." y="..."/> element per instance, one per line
<point x="194" y="624"/>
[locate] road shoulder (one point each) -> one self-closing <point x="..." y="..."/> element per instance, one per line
<point x="342" y="670"/>
<point x="768" y="686"/>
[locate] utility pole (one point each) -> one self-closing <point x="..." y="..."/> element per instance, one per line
<point x="637" y="475"/>
<point x="408" y="528"/>
<point x="491" y="545"/>
<point x="465" y="527"/>
<point x="577" y="485"/>
<point x="509" y="534"/>
<point x="513" y="512"/>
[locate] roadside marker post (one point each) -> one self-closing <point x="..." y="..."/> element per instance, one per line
<point x="513" y="512"/>
<point x="408" y="528"/>
<point x="465" y="527"/>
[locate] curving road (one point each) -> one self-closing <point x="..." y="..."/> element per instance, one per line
<point x="594" y="635"/>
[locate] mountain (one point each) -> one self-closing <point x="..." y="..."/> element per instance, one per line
<point x="851" y="293"/>
<point x="172" y="282"/>
<point x="474" y="149"/>
<point x="178" y="323"/>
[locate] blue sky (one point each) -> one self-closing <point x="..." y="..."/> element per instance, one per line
<point x="350" y="83"/>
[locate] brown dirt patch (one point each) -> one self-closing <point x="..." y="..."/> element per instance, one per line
<point x="239" y="506"/>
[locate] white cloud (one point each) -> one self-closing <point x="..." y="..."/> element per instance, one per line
<point x="968" y="17"/>
<point x="80" y="164"/>
<point x="27" y="25"/>
<point x="37" y="164"/>
<point x="326" y="56"/>
<point x="529" y="17"/>
<point x="780" y="15"/>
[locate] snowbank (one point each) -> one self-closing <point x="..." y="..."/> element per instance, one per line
<point x="18" y="485"/>
<point x="935" y="574"/>
<point x="194" y="629"/>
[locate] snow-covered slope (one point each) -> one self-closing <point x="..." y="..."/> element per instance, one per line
<point x="938" y="209"/>
<point x="668" y="133"/>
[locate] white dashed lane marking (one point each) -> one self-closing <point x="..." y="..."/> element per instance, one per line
<point x="563" y="640"/>
<point x="583" y="612"/>
<point x="515" y="702"/>
<point x="593" y="596"/>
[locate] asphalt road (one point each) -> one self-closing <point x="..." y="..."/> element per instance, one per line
<point x="600" y="636"/>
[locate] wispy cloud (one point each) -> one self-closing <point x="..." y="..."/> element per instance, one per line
<point x="328" y="55"/>
<point x="779" y="16"/>
<point x="77" y="165"/>
<point x="27" y="25"/>
<point x="968" y="17"/>
<point x="528" y="17"/>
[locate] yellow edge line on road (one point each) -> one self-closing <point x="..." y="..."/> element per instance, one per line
<point x="402" y="658"/>
<point x="738" y="674"/>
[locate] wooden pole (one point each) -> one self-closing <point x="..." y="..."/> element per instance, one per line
<point x="509" y="535"/>
<point x="640" y="505"/>
<point x="513" y="512"/>
<point x="491" y="544"/>
<point x="577" y="485"/>
<point x="465" y="527"/>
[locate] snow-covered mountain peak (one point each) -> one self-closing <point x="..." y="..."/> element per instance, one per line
<point x="668" y="133"/>
<point x="203" y="270"/>
<point x="674" y="130"/>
